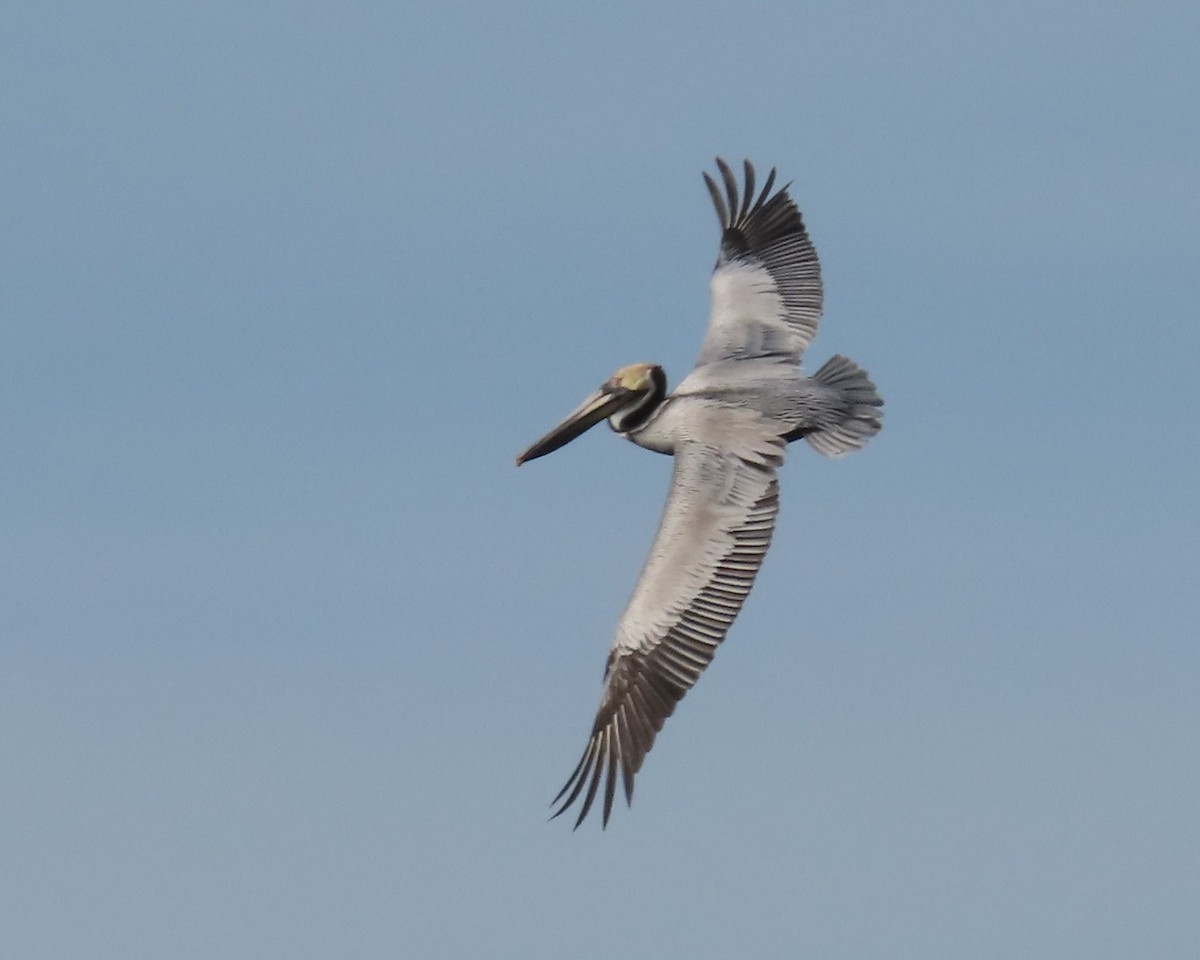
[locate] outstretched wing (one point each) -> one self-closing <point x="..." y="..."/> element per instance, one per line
<point x="766" y="286"/>
<point x="711" y="541"/>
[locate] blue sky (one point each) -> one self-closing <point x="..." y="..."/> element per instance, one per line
<point x="293" y="658"/>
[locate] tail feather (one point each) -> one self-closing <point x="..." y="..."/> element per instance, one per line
<point x="858" y="408"/>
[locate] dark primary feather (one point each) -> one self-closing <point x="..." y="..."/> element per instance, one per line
<point x="642" y="687"/>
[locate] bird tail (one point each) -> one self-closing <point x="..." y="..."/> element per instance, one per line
<point x="857" y="410"/>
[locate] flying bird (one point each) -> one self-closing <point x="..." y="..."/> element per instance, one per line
<point x="727" y="425"/>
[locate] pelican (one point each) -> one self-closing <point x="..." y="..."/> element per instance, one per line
<point x="727" y="425"/>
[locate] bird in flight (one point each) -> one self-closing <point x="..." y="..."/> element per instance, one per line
<point x="727" y="425"/>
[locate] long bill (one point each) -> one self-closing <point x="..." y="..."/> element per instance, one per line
<point x="601" y="404"/>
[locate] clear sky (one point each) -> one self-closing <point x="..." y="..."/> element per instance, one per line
<point x="293" y="658"/>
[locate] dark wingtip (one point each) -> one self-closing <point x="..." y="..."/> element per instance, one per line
<point x="734" y="206"/>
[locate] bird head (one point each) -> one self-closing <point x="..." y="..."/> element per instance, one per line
<point x="625" y="398"/>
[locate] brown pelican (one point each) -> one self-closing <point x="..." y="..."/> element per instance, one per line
<point x="727" y="424"/>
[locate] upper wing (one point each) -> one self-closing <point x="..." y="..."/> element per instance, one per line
<point x="714" y="533"/>
<point x="766" y="287"/>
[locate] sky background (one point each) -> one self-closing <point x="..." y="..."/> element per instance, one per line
<point x="292" y="658"/>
